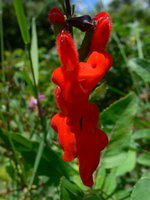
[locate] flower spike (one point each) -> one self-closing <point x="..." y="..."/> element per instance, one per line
<point x="77" y="122"/>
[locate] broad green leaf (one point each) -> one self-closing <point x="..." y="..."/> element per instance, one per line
<point x="110" y="183"/>
<point x="50" y="165"/>
<point x="122" y="194"/>
<point x="4" y="176"/>
<point x="77" y="180"/>
<point x="141" y="190"/>
<point x="100" y="177"/>
<point x="141" y="67"/>
<point x="34" y="51"/>
<point x="128" y="164"/>
<point x="117" y="121"/>
<point x="146" y="174"/>
<point x="114" y="161"/>
<point x="22" y="20"/>
<point x="142" y="134"/>
<point x="70" y="191"/>
<point x="144" y="159"/>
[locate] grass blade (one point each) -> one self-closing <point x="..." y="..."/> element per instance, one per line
<point x="22" y="20"/>
<point x="34" y="51"/>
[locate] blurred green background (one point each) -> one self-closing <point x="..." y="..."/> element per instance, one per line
<point x="30" y="157"/>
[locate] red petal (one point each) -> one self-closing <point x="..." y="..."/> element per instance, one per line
<point x="67" y="52"/>
<point x="102" y="32"/>
<point x="87" y="165"/>
<point x="66" y="137"/>
<point x="90" y="143"/>
<point x="101" y="15"/>
<point x="108" y="60"/>
<point x="92" y="72"/>
<point x="89" y="146"/>
<point x="74" y="106"/>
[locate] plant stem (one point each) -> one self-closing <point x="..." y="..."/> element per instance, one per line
<point x="2" y="41"/>
<point x="43" y="125"/>
<point x="68" y="14"/>
<point x="17" y="161"/>
<point x="125" y="60"/>
<point x="120" y="47"/>
<point x="139" y="46"/>
<point x="68" y="8"/>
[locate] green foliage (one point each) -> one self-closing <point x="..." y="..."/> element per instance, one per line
<point x="141" y="67"/>
<point x="31" y="166"/>
<point x="141" y="190"/>
<point x="69" y="191"/>
<point x="28" y="150"/>
<point x="34" y="51"/>
<point x="115" y="119"/>
<point x="22" y="21"/>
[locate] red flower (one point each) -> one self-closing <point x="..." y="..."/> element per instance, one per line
<point x="81" y="139"/>
<point x="77" y="123"/>
<point x="76" y="80"/>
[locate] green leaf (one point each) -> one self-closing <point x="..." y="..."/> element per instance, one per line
<point x="141" y="190"/>
<point x="70" y="191"/>
<point x="127" y="165"/>
<point x="4" y="176"/>
<point x="141" y="67"/>
<point x="50" y="164"/>
<point x="122" y="194"/>
<point x="146" y="174"/>
<point x="22" y="20"/>
<point x="117" y="121"/>
<point x="114" y="161"/>
<point x="110" y="182"/>
<point x="29" y="82"/>
<point x="142" y="134"/>
<point x="98" y="92"/>
<point x="34" y="51"/>
<point x="100" y="177"/>
<point x="144" y="159"/>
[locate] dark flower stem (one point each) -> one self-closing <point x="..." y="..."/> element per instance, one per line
<point x="68" y="14"/>
<point x="68" y="8"/>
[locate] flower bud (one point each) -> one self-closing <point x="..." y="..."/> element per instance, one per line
<point x="55" y="15"/>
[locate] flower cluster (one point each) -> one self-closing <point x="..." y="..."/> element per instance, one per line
<point x="77" y="122"/>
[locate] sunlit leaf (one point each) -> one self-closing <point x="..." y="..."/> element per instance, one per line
<point x="117" y="122"/>
<point x="22" y="20"/>
<point x="70" y="191"/>
<point x="141" y="67"/>
<point x="34" y="51"/>
<point x="110" y="182"/>
<point x="141" y="190"/>
<point x="142" y="134"/>
<point x="144" y="159"/>
<point x="127" y="164"/>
